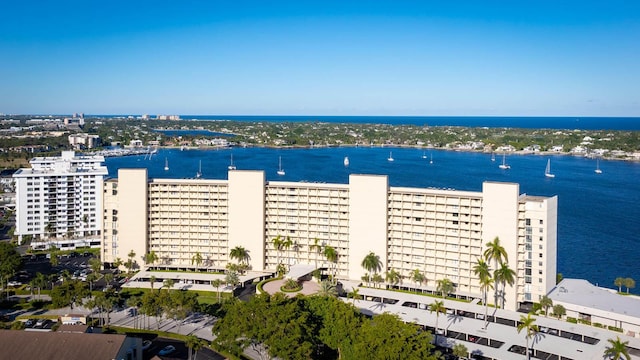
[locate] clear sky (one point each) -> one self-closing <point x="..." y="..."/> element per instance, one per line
<point x="518" y="58"/>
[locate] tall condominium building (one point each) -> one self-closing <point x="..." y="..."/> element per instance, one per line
<point x="59" y="201"/>
<point x="439" y="233"/>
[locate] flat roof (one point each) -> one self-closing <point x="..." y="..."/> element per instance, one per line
<point x="57" y="345"/>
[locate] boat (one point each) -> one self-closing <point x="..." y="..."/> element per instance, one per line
<point x="431" y="159"/>
<point x="597" y="170"/>
<point x="390" y="158"/>
<point x="346" y="161"/>
<point x="199" y="173"/>
<point x="166" y="164"/>
<point x="424" y="155"/>
<point x="504" y="165"/>
<point x="547" y="170"/>
<point x="182" y="147"/>
<point x="280" y="170"/>
<point x="493" y="156"/>
<point x="231" y="166"/>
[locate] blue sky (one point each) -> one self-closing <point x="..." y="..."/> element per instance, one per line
<point x="515" y="58"/>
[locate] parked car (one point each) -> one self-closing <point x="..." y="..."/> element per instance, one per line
<point x="146" y="344"/>
<point x="167" y="350"/>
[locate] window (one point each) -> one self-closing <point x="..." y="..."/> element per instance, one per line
<point x="527" y="222"/>
<point x="541" y="222"/>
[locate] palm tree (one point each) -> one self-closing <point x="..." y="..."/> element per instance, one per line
<point x="332" y="256"/>
<point x="168" y="283"/>
<point x="286" y="245"/>
<point x="152" y="280"/>
<point x="393" y="277"/>
<point x="196" y="259"/>
<point x="130" y="262"/>
<point x="417" y="276"/>
<point x="438" y="307"/>
<point x="317" y="248"/>
<point x="527" y="323"/>
<point x="277" y="245"/>
<point x="40" y="281"/>
<point x="117" y="263"/>
<point x="445" y="287"/>
<point x="619" y="282"/>
<point x="546" y="304"/>
<point x="232" y="278"/>
<point x="354" y="294"/>
<point x="327" y="289"/>
<point x="150" y="258"/>
<point x="372" y="263"/>
<point x="504" y="275"/>
<point x="629" y="283"/>
<point x="194" y="344"/>
<point x="460" y="351"/>
<point x="240" y="254"/>
<point x="377" y="279"/>
<point x="481" y="269"/>
<point x="498" y="254"/>
<point x="217" y="283"/>
<point x="617" y="349"/>
<point x="559" y="311"/>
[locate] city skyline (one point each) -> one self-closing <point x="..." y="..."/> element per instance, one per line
<point x="289" y="58"/>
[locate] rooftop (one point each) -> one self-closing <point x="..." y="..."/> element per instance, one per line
<point x="55" y="345"/>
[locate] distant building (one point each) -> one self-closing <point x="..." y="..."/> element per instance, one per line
<point x="440" y="232"/>
<point x="59" y="200"/>
<point x="168" y="117"/>
<point x="84" y="141"/>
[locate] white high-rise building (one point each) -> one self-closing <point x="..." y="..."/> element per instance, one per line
<point x="439" y="233"/>
<point x="59" y="201"/>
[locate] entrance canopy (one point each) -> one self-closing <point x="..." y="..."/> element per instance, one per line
<point x="299" y="270"/>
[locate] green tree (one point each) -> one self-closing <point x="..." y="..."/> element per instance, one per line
<point x="317" y="248"/>
<point x="197" y="259"/>
<point x="498" y="254"/>
<point x="354" y="294"/>
<point x="482" y="271"/>
<point x="445" y="287"/>
<point x="629" y="283"/>
<point x="277" y="246"/>
<point x="527" y="323"/>
<point x="216" y="283"/>
<point x="437" y="307"/>
<point x="617" y="349"/>
<point x="460" y="351"/>
<point x="332" y="257"/>
<point x="131" y="262"/>
<point x="327" y="289"/>
<point x="559" y="311"/>
<point x="417" y="277"/>
<point x="619" y="282"/>
<point x="232" y="278"/>
<point x="240" y="254"/>
<point x="168" y="284"/>
<point x="546" y="304"/>
<point x="152" y="281"/>
<point x="371" y="263"/>
<point x="393" y="277"/>
<point x="194" y="344"/>
<point x="69" y="293"/>
<point x="503" y="276"/>
<point x="10" y="262"/>
<point x="40" y="281"/>
<point x="377" y="279"/>
<point x="150" y="258"/>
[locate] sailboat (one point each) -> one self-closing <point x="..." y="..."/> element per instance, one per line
<point x="431" y="159"/>
<point x="504" y="165"/>
<point x="166" y="164"/>
<point x="231" y="166"/>
<point x="390" y="158"/>
<point x="346" y="161"/>
<point x="597" y="170"/>
<point x="280" y="170"/>
<point x="547" y="171"/>
<point x="199" y="173"/>
<point x="424" y="155"/>
<point x="493" y="156"/>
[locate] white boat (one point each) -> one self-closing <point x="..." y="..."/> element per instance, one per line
<point x="280" y="170"/>
<point x="504" y="165"/>
<point x="597" y="170"/>
<point x="493" y="156"/>
<point x="346" y="161"/>
<point x="390" y="158"/>
<point x="547" y="170"/>
<point x="424" y="155"/>
<point x="431" y="159"/>
<point x="182" y="147"/>
<point x="231" y="166"/>
<point x="166" y="164"/>
<point x="199" y="173"/>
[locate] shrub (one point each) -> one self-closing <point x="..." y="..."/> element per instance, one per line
<point x="572" y="320"/>
<point x="598" y="325"/>
<point x="613" y="328"/>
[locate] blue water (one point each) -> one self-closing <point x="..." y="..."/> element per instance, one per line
<point x="192" y="133"/>
<point x="598" y="214"/>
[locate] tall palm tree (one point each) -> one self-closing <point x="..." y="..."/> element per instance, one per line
<point x="438" y="307"/>
<point x="617" y="349"/>
<point x="286" y="245"/>
<point x="481" y="269"/>
<point x="240" y="254"/>
<point x="393" y="277"/>
<point x="619" y="282"/>
<point x="503" y="276"/>
<point x="150" y="258"/>
<point x="168" y="283"/>
<point x="277" y="245"/>
<point x="217" y="283"/>
<point x="152" y="280"/>
<point x="317" y="247"/>
<point x="354" y="294"/>
<point x="498" y="254"/>
<point x="194" y="344"/>
<point x="332" y="256"/>
<point x="527" y="323"/>
<point x="417" y="276"/>
<point x="372" y="263"/>
<point x="445" y="287"/>
<point x="546" y="304"/>
<point x="197" y="259"/>
<point x="131" y="262"/>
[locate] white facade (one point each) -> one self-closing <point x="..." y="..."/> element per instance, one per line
<point x="441" y="233"/>
<point x="59" y="200"/>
